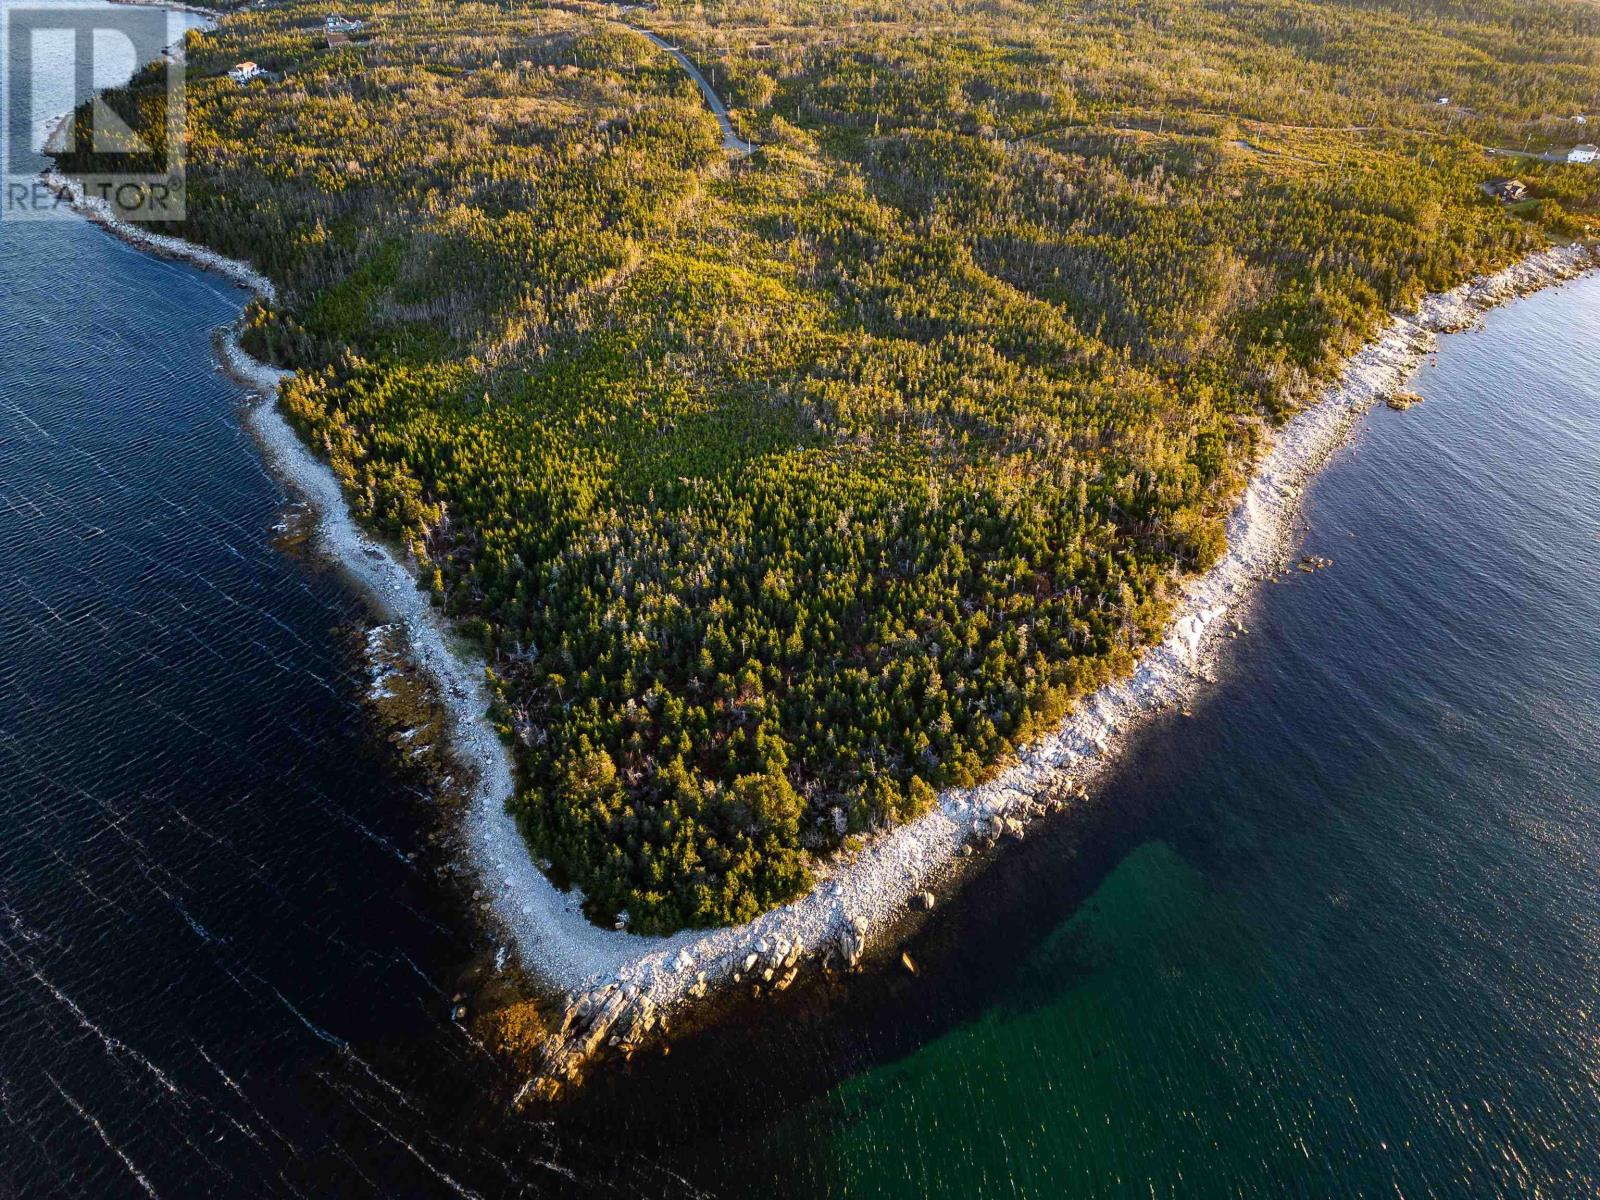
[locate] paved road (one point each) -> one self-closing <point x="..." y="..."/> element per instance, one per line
<point x="731" y="141"/>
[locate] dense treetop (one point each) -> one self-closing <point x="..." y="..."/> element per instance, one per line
<point x="784" y="491"/>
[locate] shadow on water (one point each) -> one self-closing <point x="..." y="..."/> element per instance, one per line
<point x="999" y="943"/>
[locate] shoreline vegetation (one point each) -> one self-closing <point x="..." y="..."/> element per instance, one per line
<point x="1164" y="517"/>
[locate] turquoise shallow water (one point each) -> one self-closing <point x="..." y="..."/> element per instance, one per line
<point x="1337" y="934"/>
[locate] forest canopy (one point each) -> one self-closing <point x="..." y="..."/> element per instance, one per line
<point x="785" y="490"/>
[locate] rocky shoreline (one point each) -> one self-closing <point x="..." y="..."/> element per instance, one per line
<point x="620" y="990"/>
<point x="855" y="904"/>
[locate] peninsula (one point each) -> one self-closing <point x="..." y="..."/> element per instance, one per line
<point x="795" y="475"/>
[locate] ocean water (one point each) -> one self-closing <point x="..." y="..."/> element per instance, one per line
<point x="226" y="951"/>
<point x="1336" y="934"/>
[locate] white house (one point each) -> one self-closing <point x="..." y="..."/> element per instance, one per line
<point x="244" y="72"/>
<point x="338" y="24"/>
<point x="1585" y="153"/>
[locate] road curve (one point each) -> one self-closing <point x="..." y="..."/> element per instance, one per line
<point x="731" y="141"/>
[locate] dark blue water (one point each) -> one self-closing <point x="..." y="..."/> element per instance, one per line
<point x="226" y="954"/>
<point x="1337" y="934"/>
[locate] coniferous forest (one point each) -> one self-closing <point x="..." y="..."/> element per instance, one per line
<point x="784" y="490"/>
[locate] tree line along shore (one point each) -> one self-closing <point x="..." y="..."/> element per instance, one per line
<point x="784" y="490"/>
